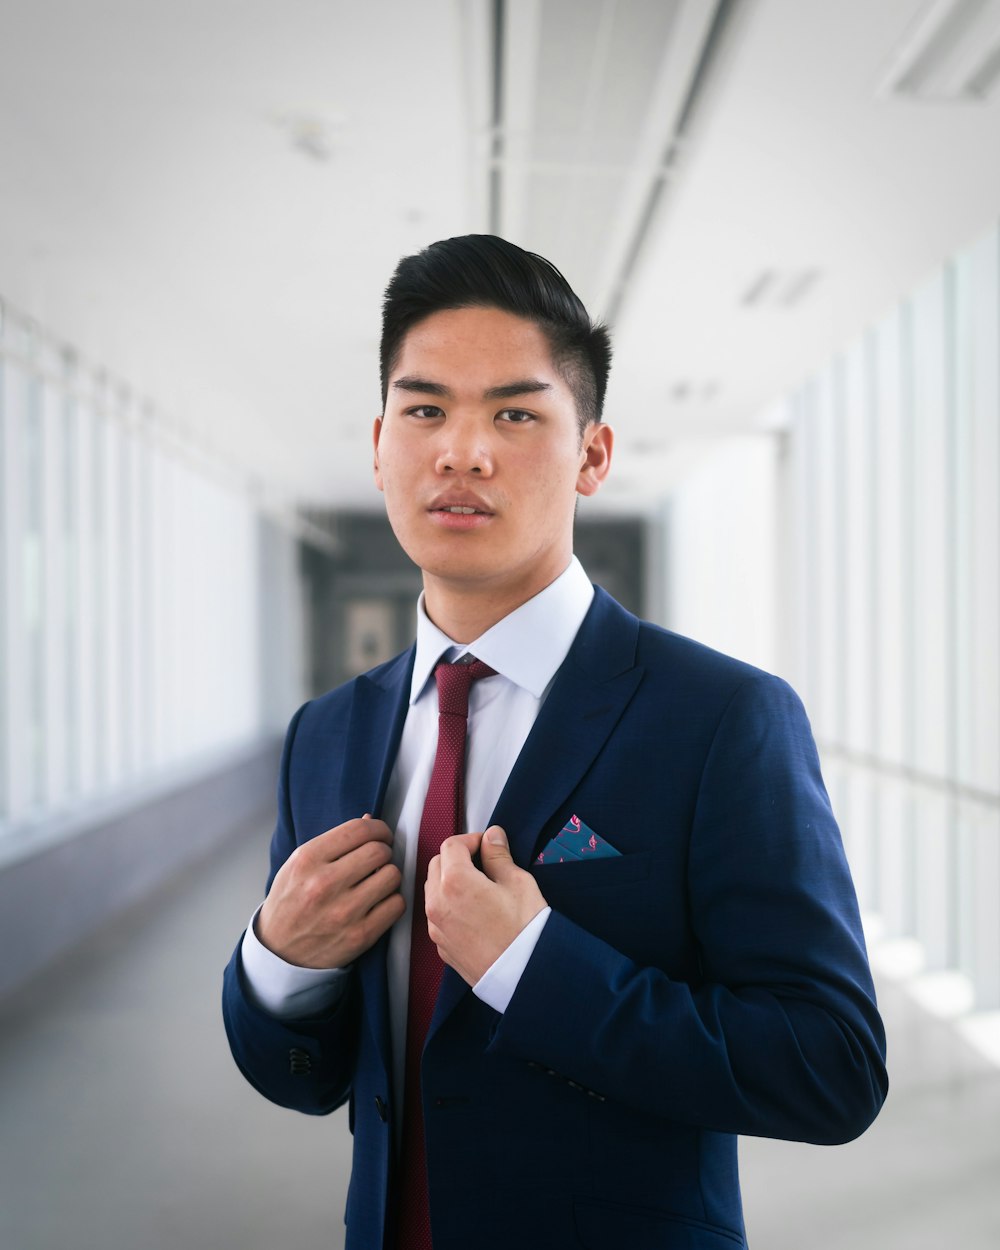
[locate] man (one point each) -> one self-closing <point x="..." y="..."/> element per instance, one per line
<point x="550" y="1033"/>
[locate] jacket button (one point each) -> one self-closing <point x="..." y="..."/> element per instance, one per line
<point x="381" y="1108"/>
<point x="299" y="1062"/>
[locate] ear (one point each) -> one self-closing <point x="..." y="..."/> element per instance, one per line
<point x="376" y="435"/>
<point x="598" y="440"/>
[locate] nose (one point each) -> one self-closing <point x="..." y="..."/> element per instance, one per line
<point x="464" y="449"/>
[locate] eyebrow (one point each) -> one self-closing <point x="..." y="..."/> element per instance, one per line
<point x="509" y="390"/>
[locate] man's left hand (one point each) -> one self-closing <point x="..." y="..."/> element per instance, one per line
<point x="473" y="916"/>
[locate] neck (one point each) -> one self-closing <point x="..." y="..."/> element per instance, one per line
<point x="465" y="613"/>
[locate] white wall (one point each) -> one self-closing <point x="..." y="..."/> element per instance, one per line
<point x="722" y="550"/>
<point x="133" y="594"/>
<point x="859" y="556"/>
<point x="891" y="487"/>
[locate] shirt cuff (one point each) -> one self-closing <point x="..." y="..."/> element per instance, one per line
<point x="497" y="984"/>
<point x="285" y="990"/>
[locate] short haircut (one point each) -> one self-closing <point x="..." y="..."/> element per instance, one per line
<point x="484" y="271"/>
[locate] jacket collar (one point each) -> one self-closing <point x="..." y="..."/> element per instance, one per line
<point x="527" y="646"/>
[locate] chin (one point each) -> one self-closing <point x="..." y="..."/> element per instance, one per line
<point x="458" y="571"/>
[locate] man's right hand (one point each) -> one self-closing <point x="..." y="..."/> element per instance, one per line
<point x="333" y="897"/>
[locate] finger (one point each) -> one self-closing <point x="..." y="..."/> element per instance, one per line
<point x="385" y="914"/>
<point x="433" y="875"/>
<point x="460" y="848"/>
<point x="495" y="854"/>
<point x="379" y="920"/>
<point x="351" y="869"/>
<point x="342" y="839"/>
<point x="375" y="888"/>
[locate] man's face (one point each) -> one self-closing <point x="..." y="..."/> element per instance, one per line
<point x="480" y="458"/>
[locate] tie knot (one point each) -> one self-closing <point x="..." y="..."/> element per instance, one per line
<point x="453" y="683"/>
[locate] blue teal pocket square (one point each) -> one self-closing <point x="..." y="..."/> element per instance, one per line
<point x="575" y="841"/>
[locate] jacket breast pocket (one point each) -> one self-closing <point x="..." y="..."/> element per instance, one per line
<point x="612" y="872"/>
<point x="635" y="902"/>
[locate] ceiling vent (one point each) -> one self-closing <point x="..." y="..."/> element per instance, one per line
<point x="950" y="55"/>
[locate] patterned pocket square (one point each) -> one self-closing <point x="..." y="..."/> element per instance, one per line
<point x="575" y="841"/>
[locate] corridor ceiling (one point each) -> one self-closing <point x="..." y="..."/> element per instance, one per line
<point x="207" y="197"/>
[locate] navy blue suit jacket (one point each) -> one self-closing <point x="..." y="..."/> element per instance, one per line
<point x="710" y="981"/>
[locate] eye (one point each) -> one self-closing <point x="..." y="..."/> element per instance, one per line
<point x="425" y="411"/>
<point x="515" y="416"/>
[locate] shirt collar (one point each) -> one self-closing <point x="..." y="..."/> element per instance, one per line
<point x="526" y="646"/>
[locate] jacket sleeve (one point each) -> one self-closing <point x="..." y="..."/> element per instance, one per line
<point x="779" y="1036"/>
<point x="303" y="1064"/>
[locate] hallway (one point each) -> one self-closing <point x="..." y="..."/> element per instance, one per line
<point x="124" y="1125"/>
<point x="787" y="215"/>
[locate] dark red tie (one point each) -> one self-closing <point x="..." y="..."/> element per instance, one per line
<point x="443" y="815"/>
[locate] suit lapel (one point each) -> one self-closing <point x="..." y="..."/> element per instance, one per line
<point x="591" y="691"/>
<point x="378" y="710"/>
<point x="588" y="697"/>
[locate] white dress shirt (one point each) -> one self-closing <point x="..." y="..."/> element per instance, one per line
<point x="525" y="648"/>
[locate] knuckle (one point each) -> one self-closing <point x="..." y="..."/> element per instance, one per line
<point x="342" y="838"/>
<point x="379" y="829"/>
<point x="297" y="861"/>
<point x="378" y="852"/>
<point x="311" y="891"/>
<point x="392" y="878"/>
<point x="341" y="912"/>
<point x="371" y="831"/>
<point x="452" y="886"/>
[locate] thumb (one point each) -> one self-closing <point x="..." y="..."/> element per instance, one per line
<point x="494" y="853"/>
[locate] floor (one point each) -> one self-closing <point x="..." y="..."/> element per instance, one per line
<point x="125" y="1126"/>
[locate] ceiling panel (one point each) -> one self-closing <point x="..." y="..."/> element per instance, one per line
<point x="208" y="197"/>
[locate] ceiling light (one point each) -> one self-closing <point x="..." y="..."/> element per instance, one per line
<point x="773" y="288"/>
<point x="757" y="289"/>
<point x="951" y="54"/>
<point x="798" y="285"/>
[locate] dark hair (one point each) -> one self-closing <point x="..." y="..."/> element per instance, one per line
<point x="484" y="271"/>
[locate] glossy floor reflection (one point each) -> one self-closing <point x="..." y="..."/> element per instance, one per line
<point x="125" y="1126"/>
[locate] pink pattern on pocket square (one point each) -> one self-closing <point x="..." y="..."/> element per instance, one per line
<point x="575" y="841"/>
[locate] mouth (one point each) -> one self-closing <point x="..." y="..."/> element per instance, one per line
<point x="460" y="503"/>
<point x="460" y="513"/>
